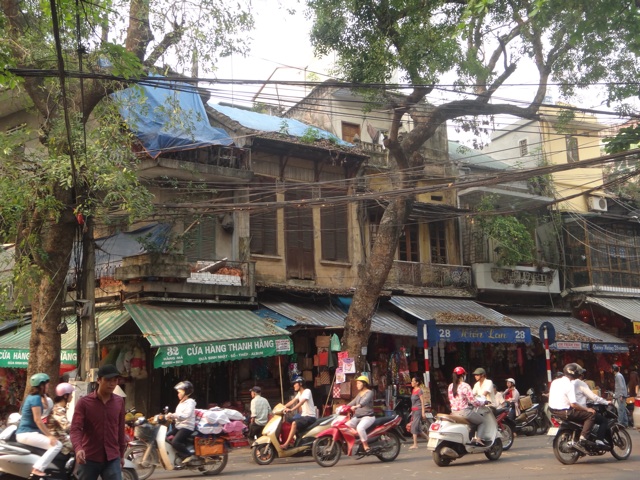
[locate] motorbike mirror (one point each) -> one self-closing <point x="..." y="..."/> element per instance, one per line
<point x="165" y="410"/>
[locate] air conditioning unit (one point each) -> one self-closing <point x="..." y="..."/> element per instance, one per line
<point x="597" y="204"/>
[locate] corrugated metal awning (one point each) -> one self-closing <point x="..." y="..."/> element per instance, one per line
<point x="627" y="307"/>
<point x="572" y="334"/>
<point x="459" y="320"/>
<point x="333" y="317"/>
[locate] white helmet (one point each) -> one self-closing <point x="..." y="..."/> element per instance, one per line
<point x="64" y="388"/>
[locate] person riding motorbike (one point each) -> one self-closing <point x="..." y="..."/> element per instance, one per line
<point x="564" y="405"/>
<point x="57" y="421"/>
<point x="303" y="401"/>
<point x="185" y="419"/>
<point x="462" y="401"/>
<point x="32" y="430"/>
<point x="512" y="395"/>
<point x="584" y="394"/>
<point x="363" y="416"/>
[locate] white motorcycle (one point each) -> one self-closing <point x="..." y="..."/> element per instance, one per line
<point x="151" y="449"/>
<point x="450" y="437"/>
<point x="17" y="459"/>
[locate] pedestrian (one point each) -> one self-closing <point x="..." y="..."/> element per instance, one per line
<point x="32" y="431"/>
<point x="483" y="386"/>
<point x="57" y="422"/>
<point x="418" y="412"/>
<point x="260" y="410"/>
<point x="97" y="429"/>
<point x="634" y="382"/>
<point x="620" y="395"/>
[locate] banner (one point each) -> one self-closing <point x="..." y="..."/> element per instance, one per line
<point x="484" y="334"/>
<point x="223" y="351"/>
<point x="20" y="358"/>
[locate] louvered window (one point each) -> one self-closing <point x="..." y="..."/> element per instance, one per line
<point x="200" y="239"/>
<point x="263" y="227"/>
<point x="334" y="234"/>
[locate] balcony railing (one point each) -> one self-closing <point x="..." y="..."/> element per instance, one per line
<point x="429" y="275"/>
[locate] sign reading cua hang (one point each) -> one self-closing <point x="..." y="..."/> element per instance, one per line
<point x="19" y="358"/>
<point x="222" y="351"/>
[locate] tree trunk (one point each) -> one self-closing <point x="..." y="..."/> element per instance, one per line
<point x="44" y="345"/>
<point x="357" y="325"/>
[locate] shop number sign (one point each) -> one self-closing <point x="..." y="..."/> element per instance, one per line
<point x="484" y="334"/>
<point x="194" y="354"/>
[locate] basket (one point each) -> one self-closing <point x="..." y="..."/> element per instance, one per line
<point x="206" y="446"/>
<point x="146" y="432"/>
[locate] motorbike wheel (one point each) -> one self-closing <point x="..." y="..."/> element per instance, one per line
<point x="506" y="435"/>
<point x="390" y="444"/>
<point x="326" y="452"/>
<point x="129" y="474"/>
<point x="621" y="443"/>
<point x="214" y="465"/>
<point x="565" y="454"/>
<point x="263" y="454"/>
<point x="136" y="454"/>
<point x="439" y="459"/>
<point x="495" y="451"/>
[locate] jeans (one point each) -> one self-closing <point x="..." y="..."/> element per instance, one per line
<point x="38" y="440"/>
<point x="623" y="414"/>
<point x="111" y="470"/>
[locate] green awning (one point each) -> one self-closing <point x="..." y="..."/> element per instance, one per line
<point x="191" y="336"/>
<point x="14" y="345"/>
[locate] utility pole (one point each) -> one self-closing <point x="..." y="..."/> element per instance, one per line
<point x="86" y="305"/>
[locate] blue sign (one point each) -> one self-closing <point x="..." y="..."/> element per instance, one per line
<point x="610" y="347"/>
<point x="455" y="333"/>
<point x="551" y="332"/>
<point x="432" y="332"/>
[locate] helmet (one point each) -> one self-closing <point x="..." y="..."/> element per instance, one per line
<point x="459" y="371"/>
<point x="363" y="378"/>
<point x="299" y="380"/>
<point x="64" y="388"/>
<point x="187" y="386"/>
<point x="479" y="371"/>
<point x="38" y="379"/>
<point x="572" y="369"/>
<point x="511" y="380"/>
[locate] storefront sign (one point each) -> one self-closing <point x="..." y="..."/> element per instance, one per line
<point x="610" y="348"/>
<point x="484" y="334"/>
<point x="20" y="358"/>
<point x="569" y="346"/>
<point x="636" y="327"/>
<point x="196" y="353"/>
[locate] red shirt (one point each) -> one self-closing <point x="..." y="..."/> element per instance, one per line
<point x="98" y="428"/>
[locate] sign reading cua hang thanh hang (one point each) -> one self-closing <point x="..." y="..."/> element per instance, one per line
<point x="222" y="351"/>
<point x="18" y="358"/>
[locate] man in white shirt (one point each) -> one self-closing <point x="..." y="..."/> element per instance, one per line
<point x="260" y="410"/>
<point x="303" y="401"/>
<point x="620" y="395"/>
<point x="564" y="405"/>
<point x="483" y="386"/>
<point x="584" y="394"/>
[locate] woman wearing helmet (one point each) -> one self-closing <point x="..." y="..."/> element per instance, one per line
<point x="32" y="430"/>
<point x="57" y="421"/>
<point x="303" y="401"/>
<point x="185" y="419"/>
<point x="363" y="415"/>
<point x="462" y="400"/>
<point x="512" y="395"/>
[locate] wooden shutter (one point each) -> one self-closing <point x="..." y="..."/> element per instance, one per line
<point x="334" y="234"/>
<point x="299" y="238"/>
<point x="200" y="240"/>
<point x="263" y="229"/>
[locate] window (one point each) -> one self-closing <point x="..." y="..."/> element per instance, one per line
<point x="349" y="131"/>
<point x="572" y="149"/>
<point x="333" y="227"/>
<point x="263" y="228"/>
<point x="200" y="239"/>
<point x="438" y="242"/>
<point x="524" y="148"/>
<point x="408" y="247"/>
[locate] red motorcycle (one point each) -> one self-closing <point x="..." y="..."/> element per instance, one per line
<point x="506" y="426"/>
<point x="383" y="437"/>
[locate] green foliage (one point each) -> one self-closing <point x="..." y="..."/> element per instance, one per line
<point x="284" y="128"/>
<point x="513" y="239"/>
<point x="626" y="139"/>
<point x="310" y="135"/>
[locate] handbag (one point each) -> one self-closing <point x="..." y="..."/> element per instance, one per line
<point x="323" y="341"/>
<point x="336" y="391"/>
<point x="323" y="359"/>
<point x="335" y="343"/>
<point x="325" y="377"/>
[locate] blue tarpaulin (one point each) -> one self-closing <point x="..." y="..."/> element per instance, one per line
<point x="168" y="116"/>
<point x="269" y="123"/>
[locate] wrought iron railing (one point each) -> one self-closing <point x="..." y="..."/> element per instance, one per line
<point x="433" y="275"/>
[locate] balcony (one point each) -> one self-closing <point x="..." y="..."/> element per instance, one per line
<point x="428" y="275"/>
<point x="171" y="277"/>
<point x="518" y="279"/>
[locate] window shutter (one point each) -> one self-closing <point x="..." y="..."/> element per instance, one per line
<point x="334" y="233"/>
<point x="200" y="241"/>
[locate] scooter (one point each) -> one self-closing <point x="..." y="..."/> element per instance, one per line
<point x="506" y="426"/>
<point x="568" y="450"/>
<point x="450" y="438"/>
<point x="403" y="408"/>
<point x="151" y="449"/>
<point x="383" y="437"/>
<point x="17" y="459"/>
<point x="533" y="420"/>
<point x="268" y="447"/>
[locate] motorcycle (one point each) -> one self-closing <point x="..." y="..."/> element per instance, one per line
<point x="151" y="449"/>
<point x="506" y="426"/>
<point x="532" y="420"/>
<point x="17" y="459"/>
<point x="383" y="439"/>
<point x="267" y="448"/>
<point x="403" y="409"/>
<point x="567" y="435"/>
<point x="450" y="438"/>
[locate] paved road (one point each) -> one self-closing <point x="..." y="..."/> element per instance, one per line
<point x="529" y="458"/>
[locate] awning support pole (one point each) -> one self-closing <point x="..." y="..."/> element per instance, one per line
<point x="425" y="346"/>
<point x="547" y="355"/>
<point x="280" y="371"/>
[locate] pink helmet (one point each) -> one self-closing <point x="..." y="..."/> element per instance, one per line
<point x="64" y="388"/>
